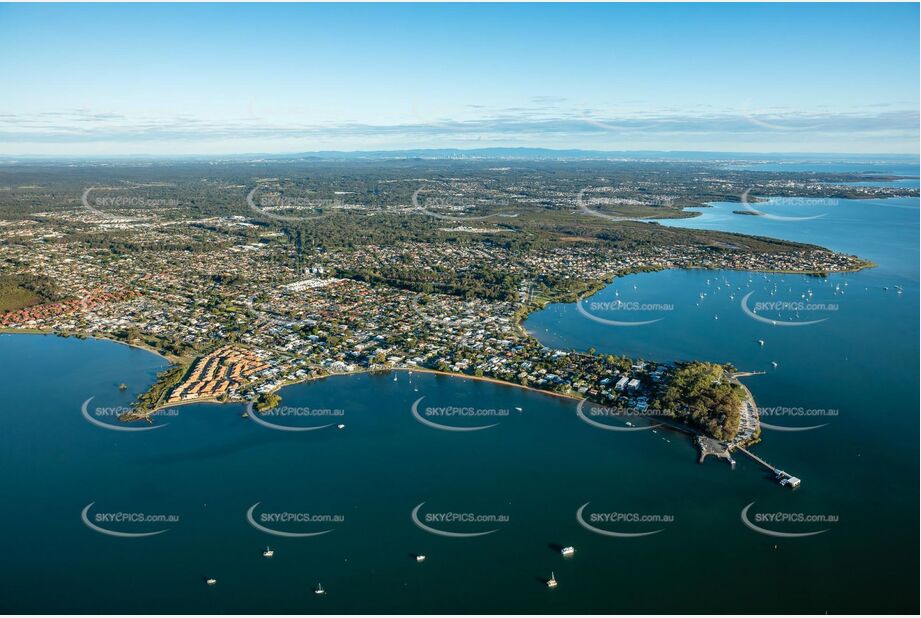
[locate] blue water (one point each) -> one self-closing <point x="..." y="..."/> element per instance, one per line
<point x="861" y="362"/>
<point x="909" y="172"/>
<point x="887" y="168"/>
<point x="883" y="231"/>
<point x="208" y="465"/>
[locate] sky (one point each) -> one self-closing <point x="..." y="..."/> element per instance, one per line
<point x="174" y="79"/>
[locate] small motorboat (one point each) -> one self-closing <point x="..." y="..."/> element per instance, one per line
<point x="340" y="426"/>
<point x="210" y="581"/>
<point x="568" y="552"/>
<point x="420" y="557"/>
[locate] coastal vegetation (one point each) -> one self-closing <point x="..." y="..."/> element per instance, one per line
<point x="267" y="401"/>
<point x="23" y="290"/>
<point x="703" y="396"/>
<point x="387" y="276"/>
<point x="149" y="401"/>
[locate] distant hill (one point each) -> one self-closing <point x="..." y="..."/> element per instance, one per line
<point x="499" y="154"/>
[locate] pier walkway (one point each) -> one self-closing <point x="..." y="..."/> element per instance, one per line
<point x="784" y="478"/>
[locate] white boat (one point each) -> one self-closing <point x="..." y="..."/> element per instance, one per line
<point x="319" y="589"/>
<point x="340" y="426"/>
<point x="568" y="552"/>
<point x="210" y="581"/>
<point x="519" y="409"/>
<point x="629" y="424"/>
<point x="552" y="583"/>
<point x="268" y="553"/>
<point x="773" y="363"/>
<point x="761" y="342"/>
<point x="420" y="557"/>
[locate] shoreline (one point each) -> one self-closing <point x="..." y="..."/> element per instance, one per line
<point x="52" y="333"/>
<point x="147" y="415"/>
<point x="520" y="317"/>
<point x="14" y="331"/>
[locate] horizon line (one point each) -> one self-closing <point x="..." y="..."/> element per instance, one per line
<point x="585" y="152"/>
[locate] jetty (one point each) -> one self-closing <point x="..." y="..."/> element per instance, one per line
<point x="745" y="374"/>
<point x="784" y="478"/>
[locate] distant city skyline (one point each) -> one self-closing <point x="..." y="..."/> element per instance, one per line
<point x="228" y="79"/>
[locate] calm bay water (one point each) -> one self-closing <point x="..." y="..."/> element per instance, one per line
<point x="883" y="168"/>
<point x="859" y="365"/>
<point x="208" y="466"/>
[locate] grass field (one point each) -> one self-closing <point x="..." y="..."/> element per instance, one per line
<point x="13" y="296"/>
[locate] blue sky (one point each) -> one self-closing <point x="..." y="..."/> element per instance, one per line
<point x="201" y="79"/>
